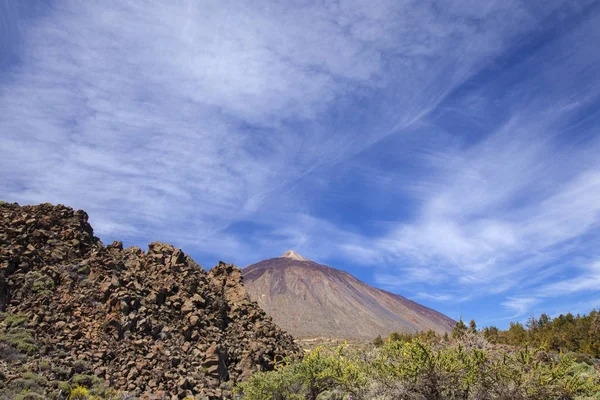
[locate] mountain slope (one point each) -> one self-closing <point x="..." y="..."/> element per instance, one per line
<point x="310" y="300"/>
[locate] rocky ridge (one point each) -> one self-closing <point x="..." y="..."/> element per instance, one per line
<point x="153" y="324"/>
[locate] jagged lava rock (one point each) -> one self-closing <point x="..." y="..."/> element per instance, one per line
<point x="147" y="322"/>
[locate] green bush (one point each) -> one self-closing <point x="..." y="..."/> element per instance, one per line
<point x="37" y="379"/>
<point x="21" y="339"/>
<point x="31" y="396"/>
<point x="96" y="386"/>
<point x="14" y="333"/>
<point x="320" y="372"/>
<point x="32" y="386"/>
<point x="378" y="341"/>
<point x="83" y="269"/>
<point x="86" y="381"/>
<point x="81" y="366"/>
<point x="29" y="386"/>
<point x="467" y="368"/>
<point x="279" y="385"/>
<point x="63" y="387"/>
<point x="79" y="393"/>
<point x="38" y="283"/>
<point x="470" y="368"/>
<point x="44" y="365"/>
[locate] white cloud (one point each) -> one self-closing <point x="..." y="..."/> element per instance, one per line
<point x="173" y="120"/>
<point x="587" y="280"/>
<point x="499" y="211"/>
<point x="519" y="305"/>
<point x="477" y="228"/>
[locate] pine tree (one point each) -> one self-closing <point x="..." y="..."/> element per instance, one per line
<point x="472" y="326"/>
<point x="378" y="341"/>
<point x="459" y="329"/>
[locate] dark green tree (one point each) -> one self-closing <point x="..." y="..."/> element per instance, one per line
<point x="472" y="326"/>
<point x="459" y="329"/>
<point x="378" y="341"/>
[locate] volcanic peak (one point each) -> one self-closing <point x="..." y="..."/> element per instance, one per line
<point x="312" y="300"/>
<point x="293" y="255"/>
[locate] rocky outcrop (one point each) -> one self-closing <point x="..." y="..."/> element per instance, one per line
<point x="150" y="323"/>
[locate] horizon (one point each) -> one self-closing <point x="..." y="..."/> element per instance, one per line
<point x="447" y="153"/>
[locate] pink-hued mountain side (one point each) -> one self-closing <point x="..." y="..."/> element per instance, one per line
<point x="312" y="300"/>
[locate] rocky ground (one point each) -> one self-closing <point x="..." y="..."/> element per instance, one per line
<point x="153" y="324"/>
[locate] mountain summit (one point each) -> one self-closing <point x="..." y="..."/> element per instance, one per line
<point x="293" y="255"/>
<point x="313" y="300"/>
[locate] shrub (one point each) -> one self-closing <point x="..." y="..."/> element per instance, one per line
<point x="80" y="366"/>
<point x="44" y="365"/>
<point x="29" y="386"/>
<point x="14" y="320"/>
<point x="39" y="380"/>
<point x="278" y="385"/>
<point x="79" y="393"/>
<point x="21" y="339"/>
<point x="15" y="333"/>
<point x="467" y="367"/>
<point x="470" y="369"/>
<point x="7" y="352"/>
<point x="83" y="269"/>
<point x="319" y="372"/>
<point x="63" y="387"/>
<point x="112" y="394"/>
<point x="96" y="386"/>
<point x="30" y="396"/>
<point x="378" y="341"/>
<point x="33" y="386"/>
<point x="87" y="381"/>
<point x="38" y="283"/>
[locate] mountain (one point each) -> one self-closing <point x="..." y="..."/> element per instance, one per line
<point x="151" y="323"/>
<point x="312" y="300"/>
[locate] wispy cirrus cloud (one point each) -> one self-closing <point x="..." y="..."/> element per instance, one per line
<point x="498" y="214"/>
<point x="586" y="279"/>
<point x="193" y="112"/>
<point x="519" y="305"/>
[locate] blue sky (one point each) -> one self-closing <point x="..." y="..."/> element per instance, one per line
<point x="445" y="151"/>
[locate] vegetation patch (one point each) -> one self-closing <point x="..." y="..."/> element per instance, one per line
<point x="566" y="333"/>
<point x="31" y="396"/>
<point x="428" y="366"/>
<point x="33" y="386"/>
<point x="15" y="334"/>
<point x="29" y="386"/>
<point x="96" y="386"/>
<point x="38" y="283"/>
<point x="79" y="393"/>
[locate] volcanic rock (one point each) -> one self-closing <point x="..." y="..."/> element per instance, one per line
<point x="146" y="322"/>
